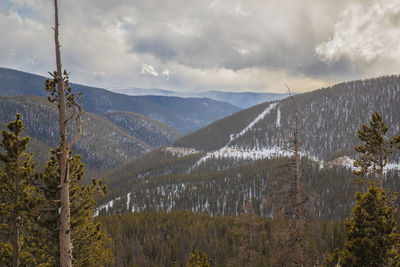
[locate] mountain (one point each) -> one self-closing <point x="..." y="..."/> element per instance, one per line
<point x="329" y="119"/>
<point x="239" y="99"/>
<point x="134" y="91"/>
<point x="218" y="167"/>
<point x="107" y="141"/>
<point x="183" y="114"/>
<point x="243" y="99"/>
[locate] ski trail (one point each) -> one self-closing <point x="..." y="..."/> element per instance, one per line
<point x="225" y="151"/>
<point x="254" y="122"/>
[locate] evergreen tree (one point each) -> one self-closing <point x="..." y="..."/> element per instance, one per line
<point x="18" y="198"/>
<point x="248" y="245"/>
<point x="376" y="148"/>
<point x="91" y="245"/>
<point x="371" y="233"/>
<point x="198" y="259"/>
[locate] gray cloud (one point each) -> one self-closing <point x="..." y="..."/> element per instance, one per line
<point x="366" y="35"/>
<point x="198" y="45"/>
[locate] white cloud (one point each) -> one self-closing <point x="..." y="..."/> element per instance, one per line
<point x="99" y="73"/>
<point x="233" y="8"/>
<point x="166" y="74"/>
<point x="366" y="31"/>
<point x="149" y="69"/>
<point x="242" y="48"/>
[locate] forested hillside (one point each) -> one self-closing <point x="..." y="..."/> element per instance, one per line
<point x="226" y="192"/>
<point x="329" y="120"/>
<point x="103" y="144"/>
<point x="152" y="132"/>
<point x="165" y="239"/>
<point x="217" y="168"/>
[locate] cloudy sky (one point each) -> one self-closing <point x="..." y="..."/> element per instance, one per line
<point x="186" y="45"/>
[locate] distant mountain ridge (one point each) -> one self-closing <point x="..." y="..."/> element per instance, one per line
<point x="184" y="114"/>
<point x="239" y="99"/>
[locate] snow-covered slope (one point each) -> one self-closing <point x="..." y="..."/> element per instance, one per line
<point x="329" y="121"/>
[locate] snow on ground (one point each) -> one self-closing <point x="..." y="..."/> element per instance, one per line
<point x="392" y="166"/>
<point x="106" y="206"/>
<point x="252" y="154"/>
<point x="341" y="161"/>
<point x="349" y="163"/>
<point x="257" y="153"/>
<point x="128" y="199"/>
<point x="278" y="118"/>
<point x="180" y="151"/>
<point x="229" y="151"/>
<point x="254" y="122"/>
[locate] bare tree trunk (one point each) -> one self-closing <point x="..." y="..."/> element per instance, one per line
<point x="64" y="231"/>
<point x="299" y="234"/>
<point x="297" y="176"/>
<point x="14" y="217"/>
<point x="297" y="171"/>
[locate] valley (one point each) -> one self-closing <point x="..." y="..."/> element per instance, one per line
<point x="152" y="169"/>
<point x="219" y="133"/>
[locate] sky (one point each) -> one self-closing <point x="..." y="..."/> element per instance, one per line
<point x="200" y="45"/>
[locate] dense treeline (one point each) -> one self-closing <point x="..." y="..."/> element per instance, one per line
<point x="167" y="239"/>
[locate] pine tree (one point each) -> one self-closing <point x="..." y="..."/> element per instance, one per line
<point x="375" y="150"/>
<point x="371" y="232"/>
<point x="91" y="245"/>
<point x="18" y="198"/>
<point x="248" y="245"/>
<point x="198" y="259"/>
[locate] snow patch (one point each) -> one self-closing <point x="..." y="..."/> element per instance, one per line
<point x="251" y="154"/>
<point x="128" y="199"/>
<point x="181" y="151"/>
<point x="392" y="166"/>
<point x="349" y="163"/>
<point x="341" y="162"/>
<point x="278" y="118"/>
<point x="244" y="153"/>
<point x="106" y="206"/>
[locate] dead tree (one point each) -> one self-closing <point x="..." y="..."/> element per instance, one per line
<point x="61" y="93"/>
<point x="289" y="198"/>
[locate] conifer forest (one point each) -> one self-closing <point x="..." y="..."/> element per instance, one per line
<point x="213" y="133"/>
